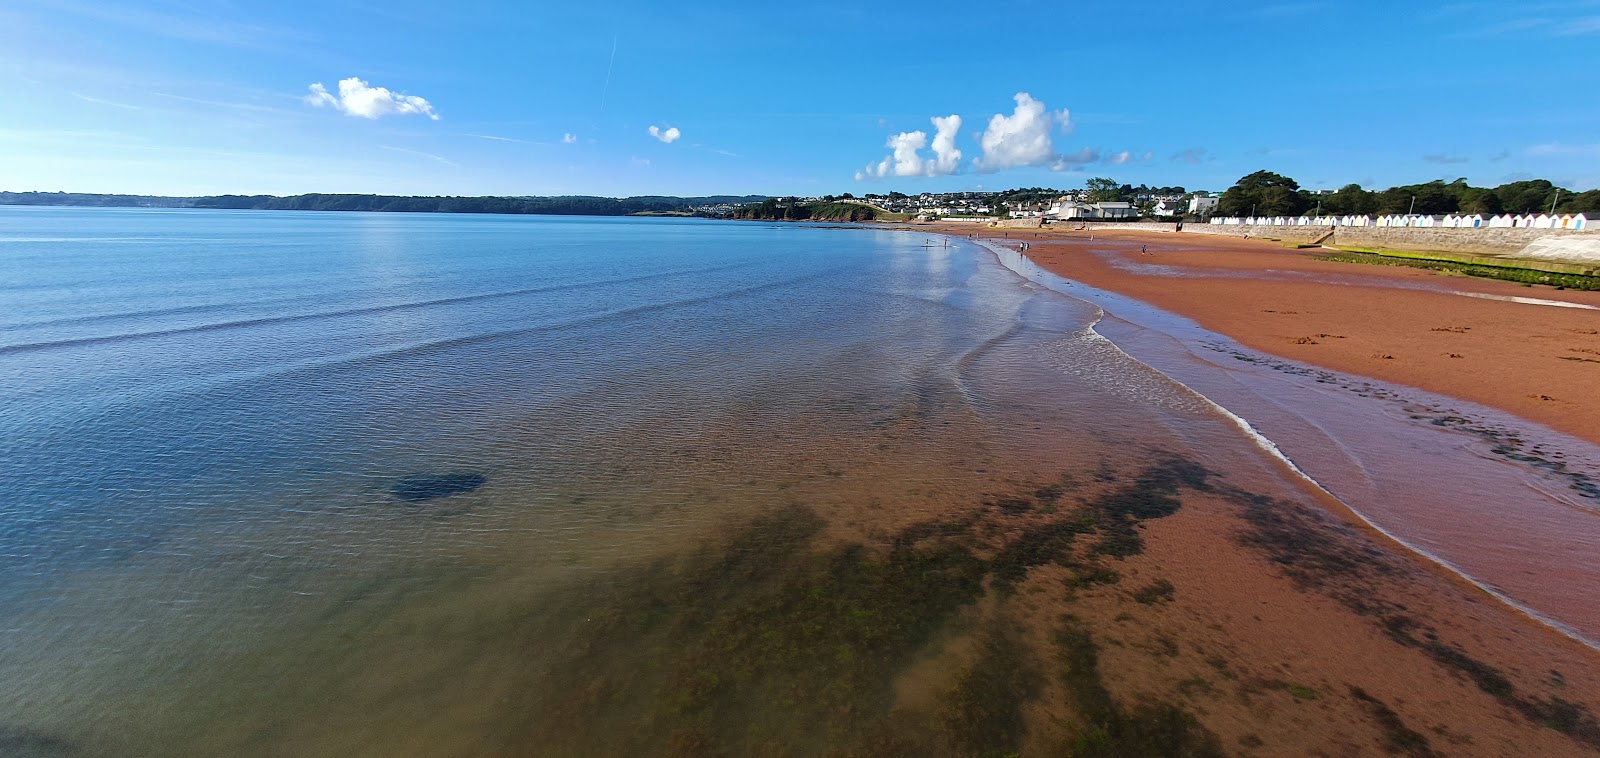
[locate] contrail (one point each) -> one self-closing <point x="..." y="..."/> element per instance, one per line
<point x="607" y="87"/>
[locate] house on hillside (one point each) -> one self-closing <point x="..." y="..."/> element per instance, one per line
<point x="1167" y="208"/>
<point x="1066" y="209"/>
<point x="1115" y="210"/>
<point x="1202" y="206"/>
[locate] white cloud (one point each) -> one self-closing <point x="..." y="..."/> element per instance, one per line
<point x="356" y="98"/>
<point x="569" y="139"/>
<point x="1121" y="158"/>
<point x="946" y="158"/>
<point x="1022" y="138"/>
<point x="907" y="159"/>
<point x="668" y="135"/>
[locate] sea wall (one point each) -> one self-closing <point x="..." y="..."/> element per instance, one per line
<point x="1537" y="244"/>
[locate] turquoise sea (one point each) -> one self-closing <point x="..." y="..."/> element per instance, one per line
<point x="383" y="484"/>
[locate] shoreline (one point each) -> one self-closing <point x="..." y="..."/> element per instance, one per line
<point x="1526" y="359"/>
<point x="1340" y="506"/>
<point x="1054" y="255"/>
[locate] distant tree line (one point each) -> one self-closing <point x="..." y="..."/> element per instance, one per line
<point x="792" y="209"/>
<point x="571" y="205"/>
<point x="1105" y="190"/>
<point x="1264" y="193"/>
<point x="85" y="199"/>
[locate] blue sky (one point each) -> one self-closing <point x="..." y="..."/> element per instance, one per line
<point x="188" y="97"/>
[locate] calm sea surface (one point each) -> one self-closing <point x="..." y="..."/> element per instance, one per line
<point x="379" y="484"/>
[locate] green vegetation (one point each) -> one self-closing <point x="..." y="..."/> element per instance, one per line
<point x="1109" y="729"/>
<point x="792" y="209"/>
<point x="1509" y="272"/>
<point x="573" y="205"/>
<point x="1302" y="692"/>
<point x="779" y="642"/>
<point x="1264" y="193"/>
<point x="1157" y="591"/>
<point x="86" y="199"/>
<point x="983" y="711"/>
<point x="1397" y="738"/>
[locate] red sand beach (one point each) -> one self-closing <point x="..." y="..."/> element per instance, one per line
<point x="1401" y="325"/>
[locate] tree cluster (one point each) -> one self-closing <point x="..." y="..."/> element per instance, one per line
<point x="1264" y="193"/>
<point x="791" y="209"/>
<point x="1105" y="190"/>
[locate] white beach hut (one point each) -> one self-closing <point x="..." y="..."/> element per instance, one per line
<point x="1586" y="221"/>
<point x="1542" y="222"/>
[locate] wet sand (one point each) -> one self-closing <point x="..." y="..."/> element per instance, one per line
<point x="1281" y="628"/>
<point x="1401" y="325"/>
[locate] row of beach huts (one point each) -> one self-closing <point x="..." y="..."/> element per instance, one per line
<point x="1570" y="221"/>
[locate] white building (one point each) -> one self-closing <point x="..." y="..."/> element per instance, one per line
<point x="1115" y="210"/>
<point x="1201" y="206"/>
<point x="1167" y="208"/>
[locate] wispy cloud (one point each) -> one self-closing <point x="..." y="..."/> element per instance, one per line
<point x="1563" y="150"/>
<point x="668" y="135"/>
<point x="188" y="25"/>
<point x="1580" y="26"/>
<point x="1194" y="156"/>
<point x="419" y="153"/>
<point x="1121" y="158"/>
<point x="1444" y="159"/>
<point x="493" y="138"/>
<point x="220" y="104"/>
<point x="357" y="98"/>
<point x="98" y="101"/>
<point x="569" y="139"/>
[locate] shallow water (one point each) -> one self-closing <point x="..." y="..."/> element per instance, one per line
<point x="378" y="484"/>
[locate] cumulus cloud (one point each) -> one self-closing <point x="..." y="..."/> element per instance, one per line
<point x="905" y="161"/>
<point x="906" y="158"/>
<point x="946" y="158"/>
<point x="1022" y="138"/>
<point x="569" y="139"/>
<point x="1121" y="158"/>
<point x="357" y="98"/>
<point x="668" y="135"/>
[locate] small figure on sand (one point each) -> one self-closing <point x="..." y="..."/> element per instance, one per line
<point x="1144" y="249"/>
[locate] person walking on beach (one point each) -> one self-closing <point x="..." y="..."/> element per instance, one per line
<point x="1144" y="249"/>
